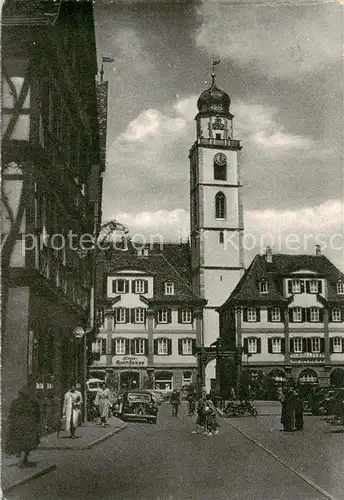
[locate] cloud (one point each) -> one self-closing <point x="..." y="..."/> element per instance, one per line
<point x="130" y="50"/>
<point x="286" y="231"/>
<point x="258" y="124"/>
<point x="152" y="124"/>
<point x="308" y="39"/>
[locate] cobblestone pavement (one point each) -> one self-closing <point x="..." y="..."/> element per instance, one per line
<point x="167" y="462"/>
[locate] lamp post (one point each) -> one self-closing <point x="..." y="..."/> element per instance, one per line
<point x="104" y="231"/>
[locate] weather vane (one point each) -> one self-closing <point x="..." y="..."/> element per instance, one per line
<point x="215" y="62"/>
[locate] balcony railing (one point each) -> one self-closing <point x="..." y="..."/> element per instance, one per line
<point x="219" y="142"/>
<point x="307" y="357"/>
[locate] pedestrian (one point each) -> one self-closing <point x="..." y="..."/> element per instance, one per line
<point x="212" y="425"/>
<point x="298" y="411"/>
<point x="201" y="416"/>
<point x="175" y="401"/>
<point x="23" y="434"/>
<point x="289" y="410"/>
<point x="71" y="410"/>
<point x="102" y="401"/>
<point x="192" y="403"/>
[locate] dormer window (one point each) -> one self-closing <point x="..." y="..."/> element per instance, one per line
<point x="295" y="286"/>
<point x="263" y="286"/>
<point x="340" y="287"/>
<point x="169" y="288"/>
<point x="313" y="286"/>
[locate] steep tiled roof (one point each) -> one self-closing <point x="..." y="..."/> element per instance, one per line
<point x="282" y="265"/>
<point x="170" y="263"/>
<point x="30" y="12"/>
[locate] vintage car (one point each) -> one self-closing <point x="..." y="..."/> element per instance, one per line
<point x="138" y="405"/>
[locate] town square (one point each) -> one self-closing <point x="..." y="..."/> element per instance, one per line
<point x="172" y="250"/>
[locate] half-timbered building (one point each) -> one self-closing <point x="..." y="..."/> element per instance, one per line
<point x="51" y="190"/>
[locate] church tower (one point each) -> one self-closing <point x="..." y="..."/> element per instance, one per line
<point x="216" y="216"/>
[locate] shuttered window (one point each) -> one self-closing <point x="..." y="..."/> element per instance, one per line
<point x="297" y="315"/>
<point x="120" y="315"/>
<point x="298" y="345"/>
<point x="275" y="314"/>
<point x="163" y="346"/>
<point x="340" y="287"/>
<point x="251" y="314"/>
<point x="120" y="346"/>
<point x="336" y="314"/>
<point x="314" y="316"/>
<point x="337" y="344"/>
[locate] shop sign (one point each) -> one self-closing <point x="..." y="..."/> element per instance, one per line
<point x="130" y="361"/>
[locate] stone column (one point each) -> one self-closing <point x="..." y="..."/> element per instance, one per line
<point x="286" y="336"/>
<point x="198" y="317"/>
<point x="327" y="337"/>
<point x="150" y="354"/>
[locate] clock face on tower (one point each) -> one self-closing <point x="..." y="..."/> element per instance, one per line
<point x="220" y="159"/>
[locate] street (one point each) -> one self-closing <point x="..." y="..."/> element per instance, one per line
<point x="167" y="462"/>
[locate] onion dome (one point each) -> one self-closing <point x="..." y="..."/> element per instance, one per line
<point x="214" y="100"/>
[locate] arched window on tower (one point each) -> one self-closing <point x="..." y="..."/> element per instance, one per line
<point x="220" y="167"/>
<point x="220" y="206"/>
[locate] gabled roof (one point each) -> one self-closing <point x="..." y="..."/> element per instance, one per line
<point x="169" y="263"/>
<point x="282" y="265"/>
<point x="30" y="12"/>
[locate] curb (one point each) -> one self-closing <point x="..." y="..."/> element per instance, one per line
<point x="285" y="464"/>
<point x="21" y="482"/>
<point x="103" y="438"/>
<point x="86" y="446"/>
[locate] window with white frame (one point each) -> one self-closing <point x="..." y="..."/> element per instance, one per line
<point x="139" y="315"/>
<point x="120" y="315"/>
<point x="186" y="316"/>
<point x="340" y="287"/>
<point x="314" y="314"/>
<point x="297" y="314"/>
<point x="169" y="288"/>
<point x="275" y="314"/>
<point x="162" y="316"/>
<point x="252" y="345"/>
<point x="251" y="314"/>
<point x="120" y="346"/>
<point x="263" y="286"/>
<point x="187" y="378"/>
<point x="163" y="381"/>
<point x="296" y="286"/>
<point x="337" y="344"/>
<point x="120" y="286"/>
<point x="187" y="346"/>
<point x="313" y="286"/>
<point x="276" y="345"/>
<point x="162" y="346"/>
<point x="139" y="346"/>
<point x="315" y="344"/>
<point x="297" y="344"/>
<point x="139" y="286"/>
<point x="336" y="314"/>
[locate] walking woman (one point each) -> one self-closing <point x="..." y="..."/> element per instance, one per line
<point x="201" y="415"/>
<point x="298" y="411"/>
<point x="103" y="402"/>
<point x="212" y="426"/>
<point x="71" y="410"/>
<point x="23" y="434"/>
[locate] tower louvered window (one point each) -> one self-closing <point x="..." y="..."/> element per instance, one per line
<point x="220" y="206"/>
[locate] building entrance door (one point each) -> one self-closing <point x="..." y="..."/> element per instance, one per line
<point x="130" y="380"/>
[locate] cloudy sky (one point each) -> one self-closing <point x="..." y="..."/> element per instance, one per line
<point x="281" y="63"/>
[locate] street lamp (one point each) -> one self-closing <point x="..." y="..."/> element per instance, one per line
<point x="104" y="231"/>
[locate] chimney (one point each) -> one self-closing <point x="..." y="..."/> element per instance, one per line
<point x="317" y="250"/>
<point x="268" y="254"/>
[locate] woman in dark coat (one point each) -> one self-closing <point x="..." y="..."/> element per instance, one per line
<point x="23" y="433"/>
<point x="298" y="411"/>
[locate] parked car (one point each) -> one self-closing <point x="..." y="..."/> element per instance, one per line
<point x="138" y="405"/>
<point x="156" y="395"/>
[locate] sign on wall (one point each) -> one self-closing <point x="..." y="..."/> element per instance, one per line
<point x="129" y="361"/>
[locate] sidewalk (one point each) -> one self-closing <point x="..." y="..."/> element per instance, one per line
<point x="88" y="435"/>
